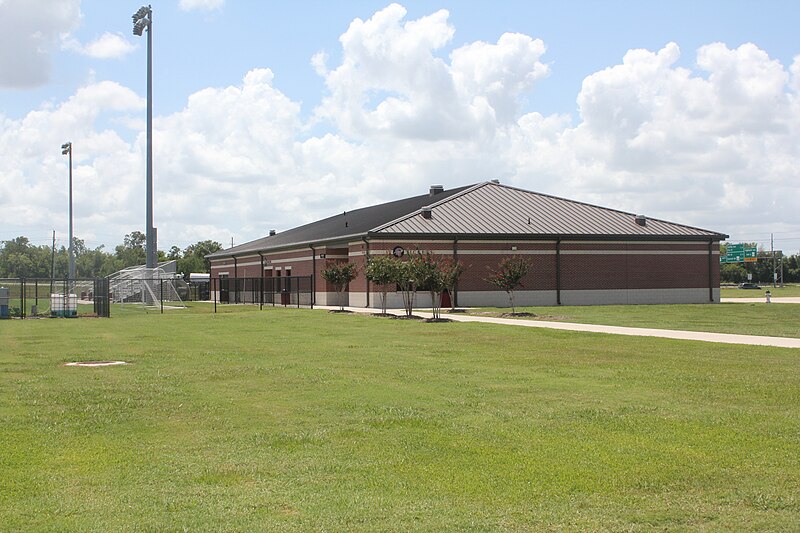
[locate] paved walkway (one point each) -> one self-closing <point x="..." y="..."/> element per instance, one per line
<point x="729" y="338"/>
<point x="761" y="300"/>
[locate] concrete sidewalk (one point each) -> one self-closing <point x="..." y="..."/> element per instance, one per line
<point x="728" y="338"/>
<point x="761" y="300"/>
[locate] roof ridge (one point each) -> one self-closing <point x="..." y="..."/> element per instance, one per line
<point x="468" y="189"/>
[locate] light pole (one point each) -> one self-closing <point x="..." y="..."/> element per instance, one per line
<point x="66" y="149"/>
<point x="143" y="19"/>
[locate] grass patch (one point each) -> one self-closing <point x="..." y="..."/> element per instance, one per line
<point x="775" y="320"/>
<point x="288" y="419"/>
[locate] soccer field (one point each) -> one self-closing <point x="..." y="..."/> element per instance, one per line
<point x="287" y="419"/>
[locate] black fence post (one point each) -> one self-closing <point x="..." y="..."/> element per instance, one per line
<point x="161" y="294"/>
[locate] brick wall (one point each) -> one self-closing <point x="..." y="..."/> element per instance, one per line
<point x="584" y="265"/>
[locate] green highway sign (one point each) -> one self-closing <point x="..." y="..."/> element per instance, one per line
<point x="739" y="253"/>
<point x="734" y="248"/>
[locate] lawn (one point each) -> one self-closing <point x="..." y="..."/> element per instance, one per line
<point x="775" y="320"/>
<point x="777" y="292"/>
<point x="287" y="419"/>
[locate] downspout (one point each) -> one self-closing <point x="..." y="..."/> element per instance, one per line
<point x="710" y="271"/>
<point x="261" y="297"/>
<point x="366" y="260"/>
<point x="455" y="287"/>
<point x="235" y="280"/>
<point x="558" y="271"/>
<point x="313" y="276"/>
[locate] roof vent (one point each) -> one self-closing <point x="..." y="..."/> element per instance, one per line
<point x="272" y="232"/>
<point x="496" y="182"/>
<point x="436" y="189"/>
<point x="641" y="220"/>
<point x="427" y="212"/>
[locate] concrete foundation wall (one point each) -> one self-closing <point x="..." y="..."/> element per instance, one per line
<point x="638" y="296"/>
<point x="331" y="298"/>
<point x="546" y="298"/>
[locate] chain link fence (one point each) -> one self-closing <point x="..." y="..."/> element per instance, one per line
<point x="45" y="297"/>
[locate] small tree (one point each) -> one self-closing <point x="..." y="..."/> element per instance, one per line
<point x="508" y="276"/>
<point x="428" y="274"/>
<point x="404" y="278"/>
<point x="340" y="275"/>
<point x="382" y="271"/>
<point x="451" y="271"/>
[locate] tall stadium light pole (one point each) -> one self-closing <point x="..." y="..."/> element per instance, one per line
<point x="66" y="149"/>
<point x="143" y="19"/>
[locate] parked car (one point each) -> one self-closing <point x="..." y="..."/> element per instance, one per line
<point x="748" y="286"/>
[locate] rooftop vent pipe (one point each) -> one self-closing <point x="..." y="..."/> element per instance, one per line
<point x="427" y="212"/>
<point x="436" y="189"/>
<point x="272" y="232"/>
<point x="641" y="220"/>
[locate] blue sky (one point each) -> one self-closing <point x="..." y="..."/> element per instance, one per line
<point x="319" y="142"/>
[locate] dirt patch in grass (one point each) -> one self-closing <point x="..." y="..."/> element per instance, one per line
<point x="555" y="318"/>
<point x="96" y="363"/>
<point x="384" y="315"/>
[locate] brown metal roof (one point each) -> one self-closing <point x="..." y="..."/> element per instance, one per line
<point x="345" y="226"/>
<point x="487" y="210"/>
<point x="490" y="209"/>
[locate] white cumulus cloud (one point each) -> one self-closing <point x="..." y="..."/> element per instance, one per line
<point x="29" y="31"/>
<point x="201" y="5"/>
<point x="34" y="184"/>
<point x="391" y="82"/>
<point x="107" y="46"/>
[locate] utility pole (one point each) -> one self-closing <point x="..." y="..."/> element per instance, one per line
<point x="772" y="248"/>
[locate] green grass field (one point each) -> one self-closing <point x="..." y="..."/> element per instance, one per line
<point x="777" y="292"/>
<point x="287" y="419"/>
<point x="775" y="320"/>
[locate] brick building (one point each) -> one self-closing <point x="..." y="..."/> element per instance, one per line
<point x="581" y="254"/>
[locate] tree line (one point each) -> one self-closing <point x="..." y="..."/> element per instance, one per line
<point x="21" y="259"/>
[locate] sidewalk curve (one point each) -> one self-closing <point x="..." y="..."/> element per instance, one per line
<point x="728" y="338"/>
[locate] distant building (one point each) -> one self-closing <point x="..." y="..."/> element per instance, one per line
<point x="581" y="254"/>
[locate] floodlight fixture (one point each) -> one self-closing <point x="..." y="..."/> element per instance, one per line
<point x="141" y="19"/>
